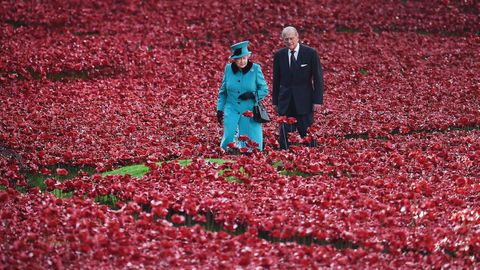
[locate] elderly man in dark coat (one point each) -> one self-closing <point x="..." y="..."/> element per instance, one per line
<point x="297" y="85"/>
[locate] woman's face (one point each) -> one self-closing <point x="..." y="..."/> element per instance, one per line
<point x="242" y="61"/>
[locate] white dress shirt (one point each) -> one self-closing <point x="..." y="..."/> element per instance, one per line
<point x="296" y="53"/>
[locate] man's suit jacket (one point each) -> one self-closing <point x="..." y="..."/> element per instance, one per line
<point x="303" y="83"/>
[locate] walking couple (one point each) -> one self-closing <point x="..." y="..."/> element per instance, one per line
<point x="298" y="88"/>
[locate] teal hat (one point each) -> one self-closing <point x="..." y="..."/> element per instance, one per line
<point x="239" y="50"/>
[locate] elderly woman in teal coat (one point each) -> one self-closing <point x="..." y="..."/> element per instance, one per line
<point x="243" y="84"/>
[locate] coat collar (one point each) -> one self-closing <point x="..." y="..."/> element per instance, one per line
<point x="300" y="48"/>
<point x="247" y="68"/>
<point x="300" y="55"/>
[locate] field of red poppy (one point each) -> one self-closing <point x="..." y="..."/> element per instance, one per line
<point x="87" y="87"/>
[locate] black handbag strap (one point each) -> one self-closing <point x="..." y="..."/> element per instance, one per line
<point x="257" y="100"/>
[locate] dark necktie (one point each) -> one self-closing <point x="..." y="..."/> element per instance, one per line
<point x="292" y="59"/>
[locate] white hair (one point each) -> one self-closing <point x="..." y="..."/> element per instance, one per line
<point x="289" y="29"/>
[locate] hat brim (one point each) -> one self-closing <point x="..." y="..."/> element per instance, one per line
<point x="240" y="55"/>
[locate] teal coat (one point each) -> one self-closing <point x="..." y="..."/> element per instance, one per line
<point x="236" y="82"/>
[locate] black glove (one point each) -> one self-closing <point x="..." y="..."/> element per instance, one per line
<point x="247" y="95"/>
<point x="220" y="116"/>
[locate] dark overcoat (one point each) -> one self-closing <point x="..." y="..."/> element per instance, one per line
<point x="303" y="82"/>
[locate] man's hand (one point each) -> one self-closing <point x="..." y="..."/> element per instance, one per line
<point x="220" y="117"/>
<point x="317" y="107"/>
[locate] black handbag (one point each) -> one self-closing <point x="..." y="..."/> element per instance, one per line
<point x="260" y="113"/>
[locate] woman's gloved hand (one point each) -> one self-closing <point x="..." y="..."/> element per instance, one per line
<point x="247" y="95"/>
<point x="220" y="116"/>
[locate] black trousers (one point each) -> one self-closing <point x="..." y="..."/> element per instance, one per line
<point x="304" y="121"/>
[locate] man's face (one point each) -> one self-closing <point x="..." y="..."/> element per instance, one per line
<point x="291" y="40"/>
